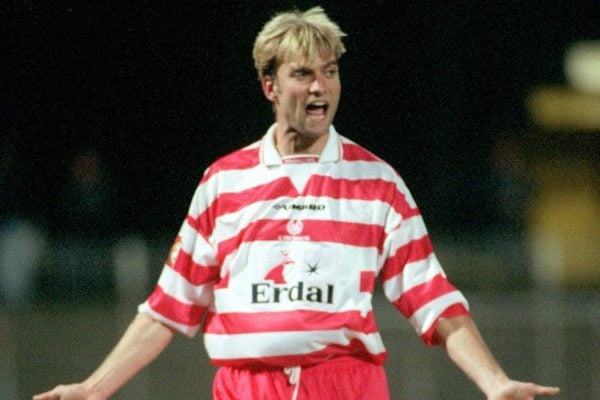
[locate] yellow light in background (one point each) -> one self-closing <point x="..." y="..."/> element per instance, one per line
<point x="582" y="66"/>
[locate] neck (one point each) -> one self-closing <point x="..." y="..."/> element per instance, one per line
<point x="290" y="142"/>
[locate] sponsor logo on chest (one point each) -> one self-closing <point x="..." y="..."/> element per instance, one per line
<point x="265" y="293"/>
<point x="276" y="289"/>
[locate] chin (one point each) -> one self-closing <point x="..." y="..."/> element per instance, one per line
<point x="316" y="133"/>
<point x="318" y="129"/>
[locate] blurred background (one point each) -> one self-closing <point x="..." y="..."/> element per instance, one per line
<point x="490" y="111"/>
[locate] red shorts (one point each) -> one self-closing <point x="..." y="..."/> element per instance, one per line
<point x="340" y="378"/>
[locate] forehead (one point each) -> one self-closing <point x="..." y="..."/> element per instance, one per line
<point x="317" y="61"/>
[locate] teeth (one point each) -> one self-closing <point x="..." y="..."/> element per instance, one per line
<point x="317" y="105"/>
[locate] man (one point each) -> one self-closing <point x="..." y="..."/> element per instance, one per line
<point x="277" y="258"/>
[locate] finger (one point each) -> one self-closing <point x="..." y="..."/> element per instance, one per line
<point x="532" y="389"/>
<point x="53" y="394"/>
<point x="46" y="396"/>
<point x="547" y="391"/>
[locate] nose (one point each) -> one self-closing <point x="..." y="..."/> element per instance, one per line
<point x="317" y="86"/>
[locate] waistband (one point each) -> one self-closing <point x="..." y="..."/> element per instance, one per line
<point x="327" y="363"/>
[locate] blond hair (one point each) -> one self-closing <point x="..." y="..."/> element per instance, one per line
<point x="296" y="34"/>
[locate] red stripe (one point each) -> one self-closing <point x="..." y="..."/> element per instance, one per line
<point x="202" y="226"/>
<point x="361" y="189"/>
<point x="422" y="294"/>
<point x="367" y="281"/>
<point x="418" y="249"/>
<point x="284" y="321"/>
<point x="349" y="233"/>
<point x="354" y="152"/>
<point x="354" y="349"/>
<point x="228" y="203"/>
<point x="169" y="307"/>
<point x="350" y="189"/>
<point x="455" y="310"/>
<point x="232" y="202"/>
<point x="240" y="159"/>
<point x="195" y="273"/>
<point x="223" y="283"/>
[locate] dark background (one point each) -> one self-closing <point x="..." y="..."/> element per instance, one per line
<point x="162" y="89"/>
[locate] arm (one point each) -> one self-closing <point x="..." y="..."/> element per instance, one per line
<point x="143" y="341"/>
<point x="468" y="351"/>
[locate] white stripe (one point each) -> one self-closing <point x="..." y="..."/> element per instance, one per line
<point x="190" y="331"/>
<point x="230" y="225"/>
<point x="355" y="170"/>
<point x="176" y="286"/>
<point x="236" y="180"/>
<point x="233" y="181"/>
<point x="200" y="199"/>
<point x="204" y="254"/>
<point x="411" y="229"/>
<point x="425" y="316"/>
<point x="188" y="237"/>
<point x="360" y="258"/>
<point x="414" y="274"/>
<point x="195" y="244"/>
<point x="285" y="343"/>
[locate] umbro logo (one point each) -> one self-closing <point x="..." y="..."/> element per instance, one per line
<point x="300" y="207"/>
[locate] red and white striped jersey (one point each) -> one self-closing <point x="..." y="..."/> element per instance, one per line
<point x="277" y="258"/>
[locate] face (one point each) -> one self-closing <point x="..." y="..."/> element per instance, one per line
<point x="305" y="96"/>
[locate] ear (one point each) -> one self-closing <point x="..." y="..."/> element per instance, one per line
<point x="269" y="87"/>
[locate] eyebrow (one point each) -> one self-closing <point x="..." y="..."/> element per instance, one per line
<point x="305" y="68"/>
<point x="302" y="69"/>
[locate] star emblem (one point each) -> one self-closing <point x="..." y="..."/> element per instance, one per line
<point x="313" y="268"/>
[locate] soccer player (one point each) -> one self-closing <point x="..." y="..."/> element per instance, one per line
<point x="277" y="258"/>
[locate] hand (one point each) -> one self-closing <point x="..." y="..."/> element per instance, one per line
<point x="514" y="390"/>
<point x="76" y="391"/>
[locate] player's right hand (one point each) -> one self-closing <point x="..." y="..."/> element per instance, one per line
<point x="75" y="391"/>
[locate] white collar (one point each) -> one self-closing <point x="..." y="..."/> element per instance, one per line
<point x="270" y="156"/>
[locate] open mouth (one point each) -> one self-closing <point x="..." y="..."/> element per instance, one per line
<point x="317" y="108"/>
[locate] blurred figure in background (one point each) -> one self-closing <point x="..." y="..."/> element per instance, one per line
<point x="86" y="202"/>
<point x="515" y="185"/>
<point x="82" y="229"/>
<point x="22" y="239"/>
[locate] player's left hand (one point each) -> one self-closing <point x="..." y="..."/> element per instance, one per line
<point x="515" y="390"/>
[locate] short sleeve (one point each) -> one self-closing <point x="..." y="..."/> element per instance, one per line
<point x="412" y="277"/>
<point x="184" y="289"/>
